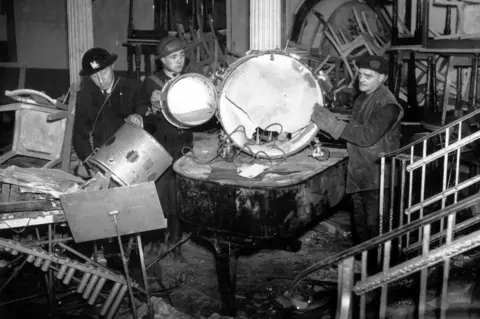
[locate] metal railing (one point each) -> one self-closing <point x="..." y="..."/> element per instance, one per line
<point x="433" y="194"/>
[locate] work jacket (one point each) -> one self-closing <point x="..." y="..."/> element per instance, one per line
<point x="374" y="128"/>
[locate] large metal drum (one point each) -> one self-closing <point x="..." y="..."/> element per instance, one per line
<point x="269" y="91"/>
<point x="190" y="100"/>
<point x="132" y="156"/>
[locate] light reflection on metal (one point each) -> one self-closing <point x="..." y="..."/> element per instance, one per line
<point x="442" y="195"/>
<point x="452" y="147"/>
<point x="435" y="256"/>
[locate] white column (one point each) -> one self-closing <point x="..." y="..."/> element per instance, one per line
<point x="80" y="34"/>
<point x="265" y="24"/>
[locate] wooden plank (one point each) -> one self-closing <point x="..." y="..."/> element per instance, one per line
<point x="30" y="205"/>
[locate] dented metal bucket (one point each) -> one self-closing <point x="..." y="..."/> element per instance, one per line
<point x="132" y="156"/>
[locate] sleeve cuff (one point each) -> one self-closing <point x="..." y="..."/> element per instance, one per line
<point x="338" y="130"/>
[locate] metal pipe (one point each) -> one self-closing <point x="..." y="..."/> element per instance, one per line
<point x="38" y="261"/>
<point x="386" y="266"/>
<point x="441" y="195"/>
<point x="30" y="258"/>
<point x="392" y="194"/>
<point x="68" y="276"/>
<point x="61" y="271"/>
<point x="46" y="265"/>
<point x="457" y="171"/>
<point x="424" y="273"/>
<point x="110" y="298"/>
<point x="410" y="191"/>
<point x="374" y="242"/>
<point x="434" y="133"/>
<point x="445" y="174"/>
<point x="382" y="194"/>
<point x="83" y="282"/>
<point x="118" y="301"/>
<point x="452" y="147"/>
<point x="97" y="290"/>
<point x="88" y="260"/>
<point x="45" y="242"/>
<point x="142" y="265"/>
<point x="465" y="224"/>
<point x="125" y="266"/>
<point x="402" y="201"/>
<point x="422" y="184"/>
<point x="90" y="285"/>
<point x="459" y="246"/>
<point x="363" y="299"/>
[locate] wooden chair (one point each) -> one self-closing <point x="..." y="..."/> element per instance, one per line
<point x="42" y="131"/>
<point x="376" y="43"/>
<point x="347" y="51"/>
<point x="467" y="12"/>
<point x="403" y="30"/>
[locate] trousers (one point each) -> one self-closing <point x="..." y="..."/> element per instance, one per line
<point x="167" y="192"/>
<point x="366" y="214"/>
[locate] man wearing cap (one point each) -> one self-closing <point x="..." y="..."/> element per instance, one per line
<point x="103" y="102"/>
<point x="374" y="128"/>
<point x="171" y="53"/>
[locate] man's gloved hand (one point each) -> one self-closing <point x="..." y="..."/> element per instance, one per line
<point x="135" y="119"/>
<point x="327" y="122"/>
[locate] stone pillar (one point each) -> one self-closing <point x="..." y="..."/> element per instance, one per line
<point x="265" y="24"/>
<point x="80" y="34"/>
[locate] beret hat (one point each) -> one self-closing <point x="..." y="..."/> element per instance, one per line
<point x="373" y="62"/>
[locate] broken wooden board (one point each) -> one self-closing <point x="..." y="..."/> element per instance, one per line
<point x="88" y="213"/>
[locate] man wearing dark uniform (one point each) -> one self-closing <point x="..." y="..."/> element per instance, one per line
<point x="103" y="103"/>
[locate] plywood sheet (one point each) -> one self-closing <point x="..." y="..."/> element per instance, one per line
<point x="138" y="209"/>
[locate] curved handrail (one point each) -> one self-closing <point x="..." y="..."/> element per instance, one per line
<point x="375" y="242"/>
<point x="436" y="132"/>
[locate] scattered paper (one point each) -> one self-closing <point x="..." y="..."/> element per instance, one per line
<point x="251" y="171"/>
<point x="41" y="180"/>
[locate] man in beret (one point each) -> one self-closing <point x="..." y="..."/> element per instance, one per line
<point x="104" y="101"/>
<point x="374" y="128"/>
<point x="171" y="53"/>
